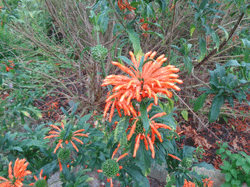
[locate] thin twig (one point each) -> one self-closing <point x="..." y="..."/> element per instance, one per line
<point x="44" y="74"/>
<point x="170" y="37"/>
<point x="195" y="115"/>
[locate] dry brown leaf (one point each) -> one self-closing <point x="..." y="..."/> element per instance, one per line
<point x="199" y="140"/>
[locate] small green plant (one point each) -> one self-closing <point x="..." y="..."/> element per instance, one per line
<point x="236" y="167"/>
<point x="181" y="167"/>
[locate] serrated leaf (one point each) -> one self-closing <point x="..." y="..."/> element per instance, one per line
<point x="119" y="130"/>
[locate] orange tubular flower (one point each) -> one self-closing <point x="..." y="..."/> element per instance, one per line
<point x="151" y="80"/>
<point x="174" y="157"/>
<point x="188" y="184"/>
<point x="40" y="178"/>
<point x="110" y="167"/>
<point x="57" y="132"/>
<point x="144" y="26"/>
<point x="19" y="172"/>
<point x="125" y="5"/>
<point x="207" y="182"/>
<point x="149" y="140"/>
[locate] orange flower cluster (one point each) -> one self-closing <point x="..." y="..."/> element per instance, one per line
<point x="188" y="184"/>
<point x="61" y="132"/>
<point x="8" y="68"/>
<point x="125" y="5"/>
<point x="145" y="83"/>
<point x="207" y="182"/>
<point x="19" y="173"/>
<point x="40" y="178"/>
<point x="144" y="26"/>
<point x="148" y="139"/>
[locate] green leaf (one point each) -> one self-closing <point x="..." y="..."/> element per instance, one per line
<point x="226" y="184"/>
<point x="184" y="114"/>
<point x="192" y="29"/>
<point x="145" y="182"/>
<point x="227" y="166"/>
<point x="203" y="48"/>
<point x="246" y="168"/>
<point x="134" y="172"/>
<point x="240" y="162"/>
<point x="84" y="119"/>
<point x="205" y="165"/>
<point x="144" y="116"/>
<point x="216" y="39"/>
<point x="225" y="31"/>
<point x="27" y="128"/>
<point x="200" y="102"/>
<point x="25" y="113"/>
<point x="16" y="149"/>
<point x="126" y="60"/>
<point x="246" y="42"/>
<point x="228" y="177"/>
<point x="234" y="173"/>
<point x="155" y="33"/>
<point x="134" y="38"/>
<point x="119" y="130"/>
<point x="217" y="103"/>
<point x="228" y="153"/>
<point x="236" y="182"/>
<point x="232" y="63"/>
<point x="36" y="143"/>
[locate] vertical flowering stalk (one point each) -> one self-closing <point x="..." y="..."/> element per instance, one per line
<point x="145" y="79"/>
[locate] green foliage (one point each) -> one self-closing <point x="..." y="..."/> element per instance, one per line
<point x="181" y="170"/>
<point x="225" y="86"/>
<point x="236" y="166"/>
<point x="41" y="183"/>
<point x="63" y="154"/>
<point x="185" y="50"/>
